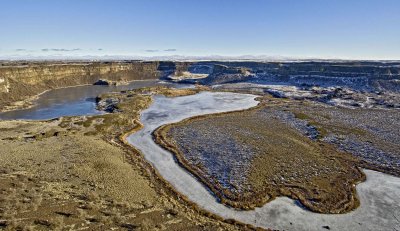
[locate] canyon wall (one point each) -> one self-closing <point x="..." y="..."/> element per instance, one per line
<point x="19" y="81"/>
<point x="363" y="75"/>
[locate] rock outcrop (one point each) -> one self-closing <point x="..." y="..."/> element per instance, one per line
<point x="4" y="86"/>
<point x="105" y="82"/>
<point x="225" y="74"/>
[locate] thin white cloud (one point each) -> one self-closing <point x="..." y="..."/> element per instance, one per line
<point x="60" y="49"/>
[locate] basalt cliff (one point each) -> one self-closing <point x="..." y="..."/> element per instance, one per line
<point x="20" y="80"/>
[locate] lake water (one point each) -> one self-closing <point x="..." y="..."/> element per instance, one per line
<point x="72" y="101"/>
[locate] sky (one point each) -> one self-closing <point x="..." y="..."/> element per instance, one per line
<point x="348" y="29"/>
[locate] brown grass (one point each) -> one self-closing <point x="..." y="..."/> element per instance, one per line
<point x="286" y="163"/>
<point x="83" y="176"/>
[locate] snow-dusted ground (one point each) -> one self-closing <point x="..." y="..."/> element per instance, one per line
<point x="379" y="195"/>
<point x="187" y="75"/>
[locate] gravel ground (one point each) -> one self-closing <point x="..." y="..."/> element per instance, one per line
<point x="372" y="135"/>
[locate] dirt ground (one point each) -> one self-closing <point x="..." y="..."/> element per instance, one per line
<point x="74" y="173"/>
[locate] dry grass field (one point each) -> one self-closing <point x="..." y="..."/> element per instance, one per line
<point x="74" y="173"/>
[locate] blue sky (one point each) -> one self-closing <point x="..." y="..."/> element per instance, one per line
<point x="355" y="29"/>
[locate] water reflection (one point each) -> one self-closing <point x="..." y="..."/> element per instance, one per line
<point x="72" y="101"/>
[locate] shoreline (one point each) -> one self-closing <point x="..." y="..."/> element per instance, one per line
<point x="229" y="199"/>
<point x="170" y="188"/>
<point x="149" y="166"/>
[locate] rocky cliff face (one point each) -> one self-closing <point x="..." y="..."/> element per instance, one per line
<point x="4" y="86"/>
<point x="225" y="74"/>
<point x="358" y="75"/>
<point x="19" y="82"/>
<point x="173" y="68"/>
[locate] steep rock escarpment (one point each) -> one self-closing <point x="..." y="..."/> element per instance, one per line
<point x="373" y="76"/>
<point x="225" y="74"/>
<point x="173" y="68"/>
<point x="19" y="82"/>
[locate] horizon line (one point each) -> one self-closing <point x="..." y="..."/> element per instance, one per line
<point x="183" y="58"/>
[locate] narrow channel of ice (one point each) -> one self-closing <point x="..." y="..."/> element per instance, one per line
<point x="379" y="195"/>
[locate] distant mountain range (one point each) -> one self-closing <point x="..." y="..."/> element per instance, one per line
<point x="175" y="58"/>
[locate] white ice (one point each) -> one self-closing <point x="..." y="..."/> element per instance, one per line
<point x="379" y="195"/>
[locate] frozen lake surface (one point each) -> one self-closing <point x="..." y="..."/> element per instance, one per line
<point x="379" y="195"/>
